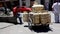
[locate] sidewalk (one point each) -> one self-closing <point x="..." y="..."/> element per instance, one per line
<point x="8" y="28"/>
<point x="5" y="25"/>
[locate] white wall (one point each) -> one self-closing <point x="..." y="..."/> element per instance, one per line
<point x="11" y="0"/>
<point x="46" y="0"/>
<point x="20" y="2"/>
<point x="38" y="1"/>
<point x="27" y="3"/>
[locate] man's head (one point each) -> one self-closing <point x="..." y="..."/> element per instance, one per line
<point x="57" y="0"/>
<point x="1" y="5"/>
<point x="23" y="4"/>
<point x="31" y="3"/>
<point x="32" y="0"/>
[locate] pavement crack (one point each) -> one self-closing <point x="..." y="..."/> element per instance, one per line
<point x="6" y="26"/>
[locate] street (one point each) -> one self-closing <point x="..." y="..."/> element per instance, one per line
<point x="12" y="14"/>
<point x="9" y="28"/>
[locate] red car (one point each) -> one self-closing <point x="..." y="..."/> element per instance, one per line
<point x="22" y="9"/>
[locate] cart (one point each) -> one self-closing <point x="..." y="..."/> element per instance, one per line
<point x="39" y="19"/>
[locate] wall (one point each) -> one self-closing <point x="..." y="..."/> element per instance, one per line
<point x="28" y="2"/>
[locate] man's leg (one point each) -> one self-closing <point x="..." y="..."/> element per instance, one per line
<point x="57" y="18"/>
<point x="20" y="19"/>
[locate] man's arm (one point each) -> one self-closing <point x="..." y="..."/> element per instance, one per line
<point x="53" y="7"/>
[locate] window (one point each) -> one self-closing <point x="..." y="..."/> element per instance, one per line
<point x="23" y="0"/>
<point x="0" y="0"/>
<point x="32" y="0"/>
<point x="23" y="3"/>
<point x="42" y="2"/>
<point x="50" y="5"/>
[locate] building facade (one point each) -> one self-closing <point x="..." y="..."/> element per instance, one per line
<point x="28" y="2"/>
<point x="46" y="3"/>
<point x="9" y="3"/>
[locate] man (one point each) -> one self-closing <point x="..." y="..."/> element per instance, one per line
<point x="22" y="9"/>
<point x="16" y="12"/>
<point x="31" y="3"/>
<point x="2" y="9"/>
<point x="56" y="8"/>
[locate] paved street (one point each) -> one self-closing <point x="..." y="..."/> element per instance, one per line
<point x="9" y="28"/>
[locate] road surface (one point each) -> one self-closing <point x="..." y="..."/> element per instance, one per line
<point x="9" y="28"/>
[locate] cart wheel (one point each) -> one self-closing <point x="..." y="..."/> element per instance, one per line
<point x="47" y="26"/>
<point x="30" y="25"/>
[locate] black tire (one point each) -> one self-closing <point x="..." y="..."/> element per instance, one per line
<point x="47" y="26"/>
<point x="15" y="23"/>
<point x="30" y="25"/>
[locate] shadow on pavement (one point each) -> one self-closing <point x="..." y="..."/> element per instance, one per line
<point x="6" y="26"/>
<point x="26" y="26"/>
<point x="57" y="22"/>
<point x="10" y="22"/>
<point x="40" y="29"/>
<point x="8" y="19"/>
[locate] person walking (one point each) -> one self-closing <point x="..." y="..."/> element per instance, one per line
<point x="56" y="11"/>
<point x="16" y="13"/>
<point x="23" y="9"/>
<point x="2" y="9"/>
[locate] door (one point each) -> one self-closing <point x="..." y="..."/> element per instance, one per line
<point x="50" y="4"/>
